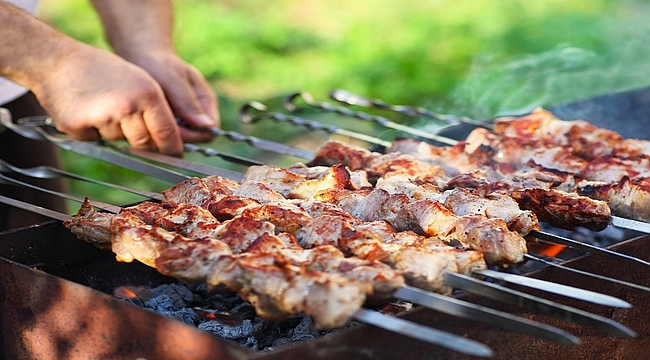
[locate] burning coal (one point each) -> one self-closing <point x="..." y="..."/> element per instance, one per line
<point x="225" y="314"/>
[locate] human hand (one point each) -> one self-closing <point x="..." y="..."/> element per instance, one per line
<point x="188" y="93"/>
<point x="92" y="93"/>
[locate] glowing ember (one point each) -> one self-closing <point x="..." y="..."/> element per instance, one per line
<point x="125" y="292"/>
<point x="552" y="250"/>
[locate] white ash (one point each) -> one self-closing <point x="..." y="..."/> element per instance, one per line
<point x="238" y="322"/>
<point x="243" y="331"/>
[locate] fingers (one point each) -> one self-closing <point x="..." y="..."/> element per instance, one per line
<point x="193" y="101"/>
<point x="162" y="128"/>
<point x="153" y="126"/>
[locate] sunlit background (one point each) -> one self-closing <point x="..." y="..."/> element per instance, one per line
<point x="472" y="58"/>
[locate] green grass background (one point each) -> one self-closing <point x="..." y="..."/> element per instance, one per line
<point x="472" y="58"/>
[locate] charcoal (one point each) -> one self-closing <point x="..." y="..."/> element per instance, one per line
<point x="161" y="303"/>
<point x="185" y="315"/>
<point x="243" y="331"/>
<point x="179" y="294"/>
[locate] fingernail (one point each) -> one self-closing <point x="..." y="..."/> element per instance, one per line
<point x="203" y="120"/>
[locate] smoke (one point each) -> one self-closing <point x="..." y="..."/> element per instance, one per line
<point x="496" y="86"/>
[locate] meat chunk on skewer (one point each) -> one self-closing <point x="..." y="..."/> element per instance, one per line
<point x="626" y="198"/>
<point x="587" y="140"/>
<point x="269" y="281"/>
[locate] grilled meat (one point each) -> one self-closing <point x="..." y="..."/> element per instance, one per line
<point x="586" y="140"/>
<point x="430" y="218"/>
<point x="604" y="173"/>
<point x="625" y="197"/>
<point x="273" y="282"/>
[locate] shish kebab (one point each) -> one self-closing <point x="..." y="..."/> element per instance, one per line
<point x="585" y="139"/>
<point x="610" y="166"/>
<point x="586" y="320"/>
<point x="162" y="247"/>
<point x="531" y="303"/>
<point x="285" y="217"/>
<point x="118" y="159"/>
<point x="137" y="166"/>
<point x="555" y="288"/>
<point x="591" y="222"/>
<point x="95" y="228"/>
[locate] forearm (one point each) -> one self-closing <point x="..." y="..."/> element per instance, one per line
<point x="135" y="26"/>
<point x="30" y="49"/>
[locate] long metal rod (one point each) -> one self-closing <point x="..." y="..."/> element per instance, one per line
<point x="424" y="333"/>
<point x="467" y="310"/>
<point x="97" y="204"/>
<point x="556" y="239"/>
<point x="256" y="142"/>
<point x="596" y="276"/>
<point x="555" y="288"/>
<point x="246" y="117"/>
<point x="49" y="172"/>
<point x="184" y="164"/>
<point x="289" y="104"/>
<point x="97" y="152"/>
<point x="538" y="305"/>
<point x="349" y="98"/>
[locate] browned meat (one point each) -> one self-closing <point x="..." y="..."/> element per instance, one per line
<point x="564" y="210"/>
<point x="631" y="148"/>
<point x="335" y="152"/>
<point x="258" y="191"/>
<point x="269" y="281"/>
<point x="200" y="192"/>
<point x="517" y="153"/>
<point x="91" y="226"/>
<point x="626" y="198"/>
<point x="611" y="169"/>
<point x="462" y="202"/>
<point x="453" y="160"/>
<point x="586" y="140"/>
<point x="277" y="289"/>
<point x="287" y="217"/>
<point x="230" y="206"/>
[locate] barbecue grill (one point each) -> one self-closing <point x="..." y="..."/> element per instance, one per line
<point x="53" y="293"/>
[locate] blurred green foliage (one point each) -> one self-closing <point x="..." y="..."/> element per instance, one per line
<point x="472" y="58"/>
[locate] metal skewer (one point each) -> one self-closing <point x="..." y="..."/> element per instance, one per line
<point x="246" y="118"/>
<point x="289" y="104"/>
<point x="349" y="98"/>
<point x="616" y="281"/>
<point x="539" y="305"/>
<point x="556" y="239"/>
<point x="49" y="172"/>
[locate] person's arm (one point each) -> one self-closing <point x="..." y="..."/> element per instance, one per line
<point x="140" y="31"/>
<point x="90" y="93"/>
